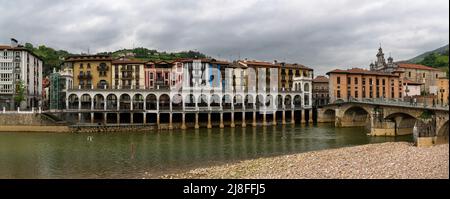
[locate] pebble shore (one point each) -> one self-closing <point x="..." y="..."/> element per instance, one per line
<point x="392" y="160"/>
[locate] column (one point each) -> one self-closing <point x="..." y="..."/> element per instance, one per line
<point x="157" y="120"/>
<point x="221" y="121"/>
<point x="264" y="119"/>
<point x="170" y="121"/>
<point x="254" y="119"/>
<point x="145" y="117"/>
<point x="92" y="103"/>
<point x="232" y="120"/>
<point x="209" y="121"/>
<point x="303" y="120"/>
<point x="196" y="121"/>
<point x="274" y="122"/>
<point x="131" y="118"/>
<point x="283" y="117"/>
<point x="243" y="120"/>
<point x="105" y="117"/>
<point x="92" y="118"/>
<point x="118" y="118"/>
<point x="79" y="117"/>
<point x="310" y="111"/>
<point x="183" y="124"/>
<point x="292" y="116"/>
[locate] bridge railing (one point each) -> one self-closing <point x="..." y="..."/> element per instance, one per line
<point x="395" y="102"/>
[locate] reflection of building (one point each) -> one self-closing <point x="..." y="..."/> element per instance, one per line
<point x="60" y="82"/>
<point x="320" y="91"/>
<point x="442" y="91"/>
<point x="18" y="64"/>
<point x="360" y="84"/>
<point x="127" y="74"/>
<point x="90" y="71"/>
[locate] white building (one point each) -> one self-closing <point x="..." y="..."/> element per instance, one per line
<point x="17" y="64"/>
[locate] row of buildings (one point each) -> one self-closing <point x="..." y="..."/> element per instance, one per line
<point x="386" y="80"/>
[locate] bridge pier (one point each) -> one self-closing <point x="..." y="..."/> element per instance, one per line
<point x="243" y="120"/>
<point x="232" y="125"/>
<point x="196" y="121"/>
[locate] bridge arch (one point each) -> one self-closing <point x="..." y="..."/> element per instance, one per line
<point x="403" y="122"/>
<point x="355" y="116"/>
<point x="442" y="134"/>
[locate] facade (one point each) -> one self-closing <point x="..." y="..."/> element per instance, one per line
<point x="443" y="91"/>
<point x="320" y="91"/>
<point x="162" y="74"/>
<point x="411" y="88"/>
<point x="361" y="84"/>
<point x="19" y="65"/>
<point x="127" y="74"/>
<point x="90" y="71"/>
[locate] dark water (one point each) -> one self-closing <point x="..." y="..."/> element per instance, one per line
<point x="131" y="154"/>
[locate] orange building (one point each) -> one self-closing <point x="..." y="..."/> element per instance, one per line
<point x="443" y="91"/>
<point x="357" y="83"/>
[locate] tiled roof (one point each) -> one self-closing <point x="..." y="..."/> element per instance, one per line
<point x="416" y="66"/>
<point x="127" y="62"/>
<point x="320" y="79"/>
<point x="295" y="65"/>
<point x="407" y="81"/>
<point x="88" y="58"/>
<point x="360" y="71"/>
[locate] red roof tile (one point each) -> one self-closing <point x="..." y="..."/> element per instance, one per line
<point x="320" y="79"/>
<point x="360" y="71"/>
<point x="416" y="66"/>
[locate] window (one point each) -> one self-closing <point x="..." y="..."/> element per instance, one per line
<point x="356" y="94"/>
<point x="423" y="75"/>
<point x="338" y="80"/>
<point x="88" y="65"/>
<point x="384" y="82"/>
<point x="370" y="81"/>
<point x="81" y="65"/>
<point x="338" y="94"/>
<point x="348" y="80"/>
<point x="378" y="82"/>
<point x="409" y="74"/>
<point x="364" y="81"/>
<point x="356" y="80"/>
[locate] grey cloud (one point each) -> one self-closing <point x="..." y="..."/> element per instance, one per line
<point x="321" y="34"/>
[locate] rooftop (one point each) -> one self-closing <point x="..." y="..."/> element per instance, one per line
<point x="415" y="66"/>
<point x="361" y="71"/>
<point x="321" y="79"/>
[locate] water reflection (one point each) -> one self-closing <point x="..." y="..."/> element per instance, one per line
<point x="130" y="155"/>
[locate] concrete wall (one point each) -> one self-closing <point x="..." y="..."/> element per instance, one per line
<point x="24" y="119"/>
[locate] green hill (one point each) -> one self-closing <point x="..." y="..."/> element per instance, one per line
<point x="440" y="51"/>
<point x="437" y="59"/>
<point x="54" y="58"/>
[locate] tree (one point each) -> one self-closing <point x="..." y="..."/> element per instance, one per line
<point x="20" y="93"/>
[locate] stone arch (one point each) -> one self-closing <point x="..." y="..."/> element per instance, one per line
<point x="215" y="100"/>
<point x="269" y="101"/>
<point x="189" y="101"/>
<point x="138" y="102"/>
<point x="279" y="101"/>
<point x="85" y="101"/>
<point x="226" y="101"/>
<point x="306" y="87"/>
<point x="329" y="115"/>
<point x="259" y="101"/>
<point x="99" y="102"/>
<point x="125" y="102"/>
<point x="355" y="116"/>
<point x="288" y="101"/>
<point x="164" y="102"/>
<point x="151" y="102"/>
<point x="202" y="100"/>
<point x="442" y="134"/>
<point x="73" y="101"/>
<point x="111" y="102"/>
<point x="403" y="122"/>
<point x="297" y="101"/>
<point x="249" y="101"/>
<point x="177" y="102"/>
<point x="238" y="101"/>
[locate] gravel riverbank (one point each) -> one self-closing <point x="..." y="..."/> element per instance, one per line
<point x="398" y="160"/>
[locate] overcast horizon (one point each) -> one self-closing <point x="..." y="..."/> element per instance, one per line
<point x="322" y="35"/>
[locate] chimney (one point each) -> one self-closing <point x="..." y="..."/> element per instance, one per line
<point x="14" y="43"/>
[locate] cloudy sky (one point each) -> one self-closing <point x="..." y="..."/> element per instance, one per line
<point x="321" y="34"/>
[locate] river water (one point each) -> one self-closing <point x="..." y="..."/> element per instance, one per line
<point x="139" y="154"/>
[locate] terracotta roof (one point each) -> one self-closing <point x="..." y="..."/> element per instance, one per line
<point x="416" y="66"/>
<point x="127" y="62"/>
<point x="295" y="65"/>
<point x="321" y="79"/>
<point x="73" y="58"/>
<point x="257" y="63"/>
<point x="361" y="71"/>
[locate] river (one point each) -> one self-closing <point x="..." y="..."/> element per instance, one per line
<point x="133" y="154"/>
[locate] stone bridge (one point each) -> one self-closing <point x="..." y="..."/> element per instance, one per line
<point x="388" y="118"/>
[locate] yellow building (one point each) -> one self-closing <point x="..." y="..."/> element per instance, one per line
<point x="443" y="91"/>
<point x="128" y="74"/>
<point x="90" y="71"/>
